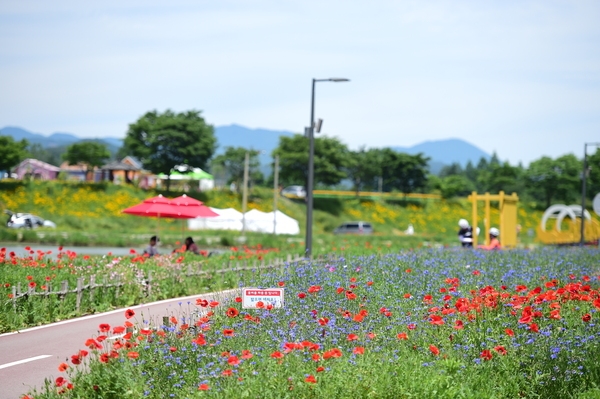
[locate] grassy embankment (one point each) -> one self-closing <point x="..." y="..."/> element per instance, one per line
<point x="90" y="214"/>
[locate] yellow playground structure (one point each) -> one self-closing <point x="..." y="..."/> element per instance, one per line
<point x="567" y="226"/>
<point x="507" y="205"/>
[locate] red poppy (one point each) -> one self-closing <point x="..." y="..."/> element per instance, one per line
<point x="104" y="327"/>
<point x="323" y="321"/>
<point x="118" y="329"/>
<point x="104" y="358"/>
<point x="335" y="352"/>
<point x="129" y="314"/>
<point x="339" y="290"/>
<point x="63" y="367"/>
<point x="301" y="295"/>
<point x="173" y="349"/>
<point x="486" y="354"/>
<point x="311" y="379"/>
<point x="458" y="324"/>
<point x="146" y="331"/>
<point x="320" y="369"/>
<point x="226" y="373"/>
<point x="358" y="318"/>
<point x="534" y="327"/>
<point x="281" y="283"/>
<point x="233" y="360"/>
<point x="500" y="349"/>
<point x="371" y="335"/>
<point x="238" y="299"/>
<point x="412" y="326"/>
<point x="203" y="387"/>
<point x="246" y="354"/>
<point x="313" y="289"/>
<point x="232" y="312"/>
<point x="60" y="381"/>
<point x="509" y="332"/>
<point x="359" y="350"/>
<point x="352" y="337"/>
<point x="202" y="302"/>
<point x="408" y="270"/>
<point x="213" y="304"/>
<point x="133" y="355"/>
<point x="402" y="336"/>
<point x="200" y="340"/>
<point x="434" y="350"/>
<point x="32" y="284"/>
<point x="586" y="317"/>
<point x="316" y="357"/>
<point x="228" y="332"/>
<point x="276" y="355"/>
<point x="436" y="320"/>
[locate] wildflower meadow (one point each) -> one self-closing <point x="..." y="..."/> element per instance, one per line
<point x="428" y="323"/>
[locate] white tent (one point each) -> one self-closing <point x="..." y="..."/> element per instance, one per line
<point x="257" y="221"/>
<point x="265" y="222"/>
<point x="228" y="219"/>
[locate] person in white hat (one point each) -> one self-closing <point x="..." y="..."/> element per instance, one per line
<point x="465" y="234"/>
<point x="494" y="241"/>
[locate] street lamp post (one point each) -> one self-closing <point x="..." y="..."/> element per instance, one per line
<point x="583" y="191"/>
<point x="311" y="164"/>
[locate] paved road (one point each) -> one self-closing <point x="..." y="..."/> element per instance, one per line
<point x="30" y="356"/>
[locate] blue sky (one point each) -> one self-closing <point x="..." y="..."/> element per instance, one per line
<point x="521" y="78"/>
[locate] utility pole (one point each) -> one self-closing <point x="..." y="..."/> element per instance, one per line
<point x="275" y="192"/>
<point x="245" y="193"/>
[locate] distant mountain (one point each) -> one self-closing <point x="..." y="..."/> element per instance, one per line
<point x="448" y="151"/>
<point x="441" y="152"/>
<point x="55" y="139"/>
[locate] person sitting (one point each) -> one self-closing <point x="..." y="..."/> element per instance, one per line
<point x="151" y="249"/>
<point x="465" y="234"/>
<point x="191" y="246"/>
<point x="494" y="242"/>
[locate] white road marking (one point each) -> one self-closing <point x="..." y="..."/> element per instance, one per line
<point x="133" y="307"/>
<point x="31" y="359"/>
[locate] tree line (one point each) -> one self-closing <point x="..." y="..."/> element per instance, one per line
<point x="163" y="140"/>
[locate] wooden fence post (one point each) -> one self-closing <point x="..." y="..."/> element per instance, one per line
<point x="64" y="287"/>
<point x="14" y="297"/>
<point x="79" y="291"/>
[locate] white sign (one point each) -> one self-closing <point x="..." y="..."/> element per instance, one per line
<point x="253" y="297"/>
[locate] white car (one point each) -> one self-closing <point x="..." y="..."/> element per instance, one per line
<point x="27" y="220"/>
<point x="294" y="192"/>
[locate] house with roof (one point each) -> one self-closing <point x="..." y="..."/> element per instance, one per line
<point x="36" y="169"/>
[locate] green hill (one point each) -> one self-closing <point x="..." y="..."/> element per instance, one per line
<point x="90" y="214"/>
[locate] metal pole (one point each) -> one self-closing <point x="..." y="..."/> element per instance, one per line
<point x="275" y="192"/>
<point x="245" y="193"/>
<point x="583" y="189"/>
<point x="311" y="171"/>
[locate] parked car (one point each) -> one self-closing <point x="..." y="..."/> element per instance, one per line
<point x="359" y="227"/>
<point x="26" y="220"/>
<point x="294" y="192"/>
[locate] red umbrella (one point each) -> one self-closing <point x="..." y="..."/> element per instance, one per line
<point x="192" y="208"/>
<point x="156" y="207"/>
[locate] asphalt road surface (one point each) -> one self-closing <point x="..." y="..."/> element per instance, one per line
<point x="30" y="356"/>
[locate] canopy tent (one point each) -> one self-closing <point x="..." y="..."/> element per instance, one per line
<point x="195" y="174"/>
<point x="228" y="219"/>
<point x="256" y="221"/>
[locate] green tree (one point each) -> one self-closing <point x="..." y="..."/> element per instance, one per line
<point x="456" y="185"/>
<point x="91" y="153"/>
<point x="504" y="177"/>
<point x="453" y="169"/>
<point x="233" y="160"/>
<point x="162" y="141"/>
<point x="551" y="180"/>
<point x="11" y="152"/>
<point x="331" y="157"/>
<point x="364" y="169"/>
<point x="403" y="172"/>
